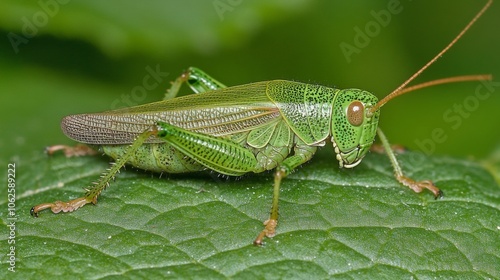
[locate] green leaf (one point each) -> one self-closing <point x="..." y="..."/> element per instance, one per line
<point x="346" y="223"/>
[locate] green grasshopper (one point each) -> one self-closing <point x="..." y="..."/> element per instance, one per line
<point x="236" y="130"/>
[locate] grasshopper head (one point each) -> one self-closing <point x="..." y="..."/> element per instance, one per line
<point x="353" y="125"/>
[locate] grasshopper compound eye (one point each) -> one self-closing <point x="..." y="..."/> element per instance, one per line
<point x="355" y="113"/>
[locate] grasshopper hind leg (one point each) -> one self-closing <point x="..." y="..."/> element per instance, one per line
<point x="93" y="192"/>
<point x="197" y="80"/>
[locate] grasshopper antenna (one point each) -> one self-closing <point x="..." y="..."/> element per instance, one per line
<point x="402" y="90"/>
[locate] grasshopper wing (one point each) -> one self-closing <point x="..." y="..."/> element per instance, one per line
<point x="219" y="112"/>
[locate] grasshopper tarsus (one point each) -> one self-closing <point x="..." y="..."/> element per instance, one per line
<point x="268" y="231"/>
<point x="59" y="206"/>
<point x="419" y="186"/>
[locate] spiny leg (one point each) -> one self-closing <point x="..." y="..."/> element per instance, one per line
<point x="412" y="184"/>
<point x="94" y="191"/>
<point x="303" y="153"/>
<point x="197" y="80"/>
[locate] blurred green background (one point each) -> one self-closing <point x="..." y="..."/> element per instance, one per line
<point x="66" y="57"/>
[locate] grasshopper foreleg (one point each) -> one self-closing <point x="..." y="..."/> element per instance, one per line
<point x="416" y="186"/>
